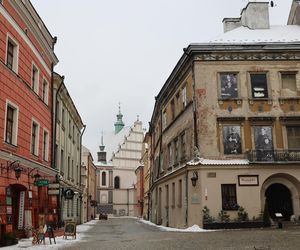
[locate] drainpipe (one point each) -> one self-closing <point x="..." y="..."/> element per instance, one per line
<point x="127" y="201"/>
<point x="81" y="134"/>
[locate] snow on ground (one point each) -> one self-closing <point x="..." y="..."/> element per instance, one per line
<point x="194" y="228"/>
<point x="81" y="235"/>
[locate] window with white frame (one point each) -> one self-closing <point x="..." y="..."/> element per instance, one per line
<point x="12" y="52"/>
<point x="34" y="149"/>
<point x="11" y="123"/>
<point x="35" y="79"/>
<point x="45" y="145"/>
<point x="45" y="92"/>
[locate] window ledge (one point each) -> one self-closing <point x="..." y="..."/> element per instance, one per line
<point x="269" y="100"/>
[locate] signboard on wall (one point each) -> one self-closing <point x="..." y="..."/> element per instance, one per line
<point x="248" y="180"/>
<point x="21" y="210"/>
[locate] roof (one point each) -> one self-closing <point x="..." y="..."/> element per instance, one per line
<point x="244" y="35"/>
<point x="202" y="161"/>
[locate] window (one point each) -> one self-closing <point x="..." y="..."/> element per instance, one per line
<point x="170" y="150"/>
<point x="12" y="55"/>
<point x="229" y="86"/>
<point x="184" y="97"/>
<point x="173" y="194"/>
<point x="70" y="128"/>
<point x="232" y="140"/>
<point x="11" y="125"/>
<point x="103" y="178"/>
<point x="117" y="182"/>
<point x="62" y="161"/>
<point x="73" y="131"/>
<point x="229" y="201"/>
<point x="34" y="138"/>
<point x="110" y="197"/>
<point x="293" y="137"/>
<point x="35" y="79"/>
<point x="289" y="87"/>
<point x="259" y="86"/>
<point x="164" y="120"/>
<point x="167" y="196"/>
<point x="45" y="145"/>
<point x="179" y="193"/>
<point x="72" y="170"/>
<point x="182" y="145"/>
<point x="173" y="109"/>
<point x="69" y="167"/>
<point x="63" y="117"/>
<point x="176" y="156"/>
<point x="57" y="110"/>
<point x="45" y="92"/>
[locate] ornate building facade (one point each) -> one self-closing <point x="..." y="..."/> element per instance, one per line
<point x="116" y="179"/>
<point x="26" y="66"/>
<point x="225" y="126"/>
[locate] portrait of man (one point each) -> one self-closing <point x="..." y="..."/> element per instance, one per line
<point x="263" y="143"/>
<point x="229" y="88"/>
<point x="232" y="140"/>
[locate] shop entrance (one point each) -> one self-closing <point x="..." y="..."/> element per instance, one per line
<point x="18" y="193"/>
<point x="279" y="200"/>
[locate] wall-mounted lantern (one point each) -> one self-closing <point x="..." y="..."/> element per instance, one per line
<point x="194" y="178"/>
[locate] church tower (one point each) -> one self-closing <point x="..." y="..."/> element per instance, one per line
<point x="119" y="124"/>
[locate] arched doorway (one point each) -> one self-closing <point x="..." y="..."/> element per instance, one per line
<point x="279" y="200"/>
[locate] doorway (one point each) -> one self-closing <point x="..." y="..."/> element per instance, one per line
<point x="279" y="200"/>
<point x="18" y="205"/>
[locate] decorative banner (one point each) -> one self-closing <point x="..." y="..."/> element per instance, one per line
<point x="21" y="210"/>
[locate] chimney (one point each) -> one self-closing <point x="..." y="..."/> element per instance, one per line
<point x="256" y="15"/>
<point x="231" y="23"/>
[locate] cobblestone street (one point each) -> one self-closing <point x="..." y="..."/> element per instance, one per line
<point x="128" y="233"/>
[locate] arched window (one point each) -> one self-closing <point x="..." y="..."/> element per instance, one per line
<point x="117" y="182"/>
<point x="103" y="179"/>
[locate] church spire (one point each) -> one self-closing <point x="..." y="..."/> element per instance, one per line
<point x="119" y="124"/>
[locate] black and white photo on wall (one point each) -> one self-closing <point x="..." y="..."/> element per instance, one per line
<point x="232" y="139"/>
<point x="229" y="88"/>
<point x="263" y="143"/>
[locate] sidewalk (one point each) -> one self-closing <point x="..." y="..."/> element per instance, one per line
<point x="60" y="242"/>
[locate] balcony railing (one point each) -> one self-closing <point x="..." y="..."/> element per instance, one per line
<point x="273" y="155"/>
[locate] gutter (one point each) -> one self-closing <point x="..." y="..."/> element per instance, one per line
<point x="186" y="197"/>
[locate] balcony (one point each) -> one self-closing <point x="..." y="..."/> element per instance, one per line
<point x="274" y="156"/>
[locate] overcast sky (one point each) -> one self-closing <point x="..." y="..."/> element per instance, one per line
<point x="114" y="51"/>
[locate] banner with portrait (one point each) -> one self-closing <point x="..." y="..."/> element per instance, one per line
<point x="229" y="88"/>
<point x="232" y="140"/>
<point x="263" y="143"/>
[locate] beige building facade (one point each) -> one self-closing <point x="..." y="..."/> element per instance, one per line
<point x="226" y="124"/>
<point x="68" y="132"/>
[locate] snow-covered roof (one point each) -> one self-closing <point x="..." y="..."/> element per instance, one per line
<point x="244" y="35"/>
<point x="202" y="161"/>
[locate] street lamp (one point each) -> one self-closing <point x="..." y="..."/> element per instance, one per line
<point x="18" y="170"/>
<point x="194" y="178"/>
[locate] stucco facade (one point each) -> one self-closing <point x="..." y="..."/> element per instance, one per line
<point x="67" y="151"/>
<point x="27" y="59"/>
<point x="227" y="145"/>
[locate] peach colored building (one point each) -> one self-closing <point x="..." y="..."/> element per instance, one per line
<point x="225" y="129"/>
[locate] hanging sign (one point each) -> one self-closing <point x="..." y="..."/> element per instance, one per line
<point x="68" y="194"/>
<point x="41" y="183"/>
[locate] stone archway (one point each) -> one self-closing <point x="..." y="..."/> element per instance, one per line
<point x="281" y="191"/>
<point x="279" y="200"/>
